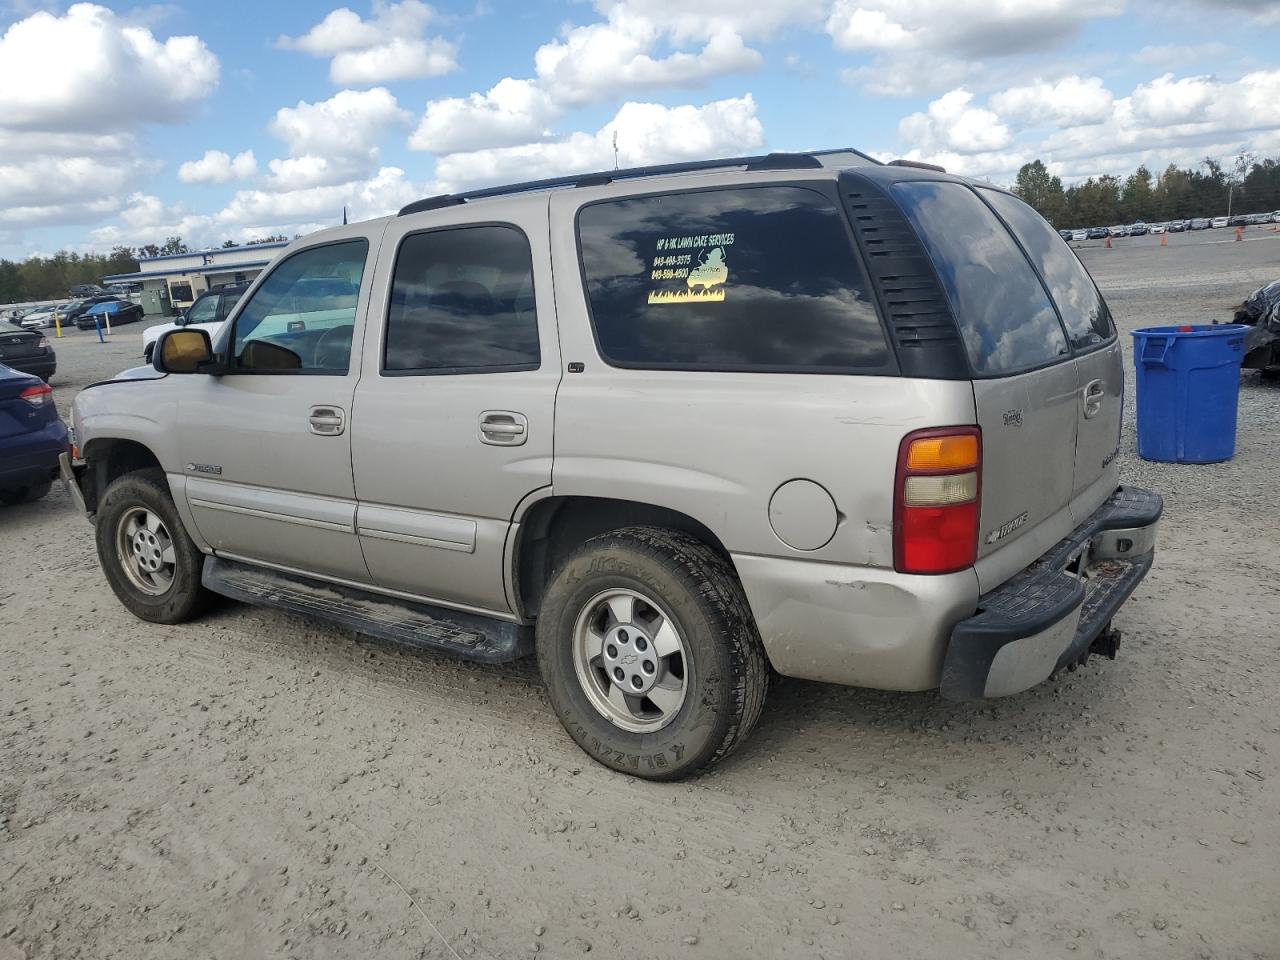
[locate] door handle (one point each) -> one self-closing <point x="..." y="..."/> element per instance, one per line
<point x="503" y="428"/>
<point x="1094" y="393"/>
<point x="327" y="421"/>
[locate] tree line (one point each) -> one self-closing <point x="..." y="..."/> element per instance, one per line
<point x="51" y="278"/>
<point x="1249" y="186"/>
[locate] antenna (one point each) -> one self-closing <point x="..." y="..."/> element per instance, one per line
<point x="615" y="148"/>
<point x="344" y="214"/>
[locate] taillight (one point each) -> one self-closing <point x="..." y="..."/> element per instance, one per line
<point x="37" y="396"/>
<point x="936" y="503"/>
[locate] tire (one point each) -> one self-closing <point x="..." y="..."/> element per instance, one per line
<point x="25" y="494"/>
<point x="721" y="669"/>
<point x="156" y="584"/>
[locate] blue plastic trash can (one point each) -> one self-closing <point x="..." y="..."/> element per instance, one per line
<point x="1188" y="382"/>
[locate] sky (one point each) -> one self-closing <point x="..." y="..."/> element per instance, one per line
<point x="126" y="124"/>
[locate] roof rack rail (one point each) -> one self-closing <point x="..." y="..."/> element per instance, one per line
<point x="768" y="161"/>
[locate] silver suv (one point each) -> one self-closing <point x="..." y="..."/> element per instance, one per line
<point x="670" y="429"/>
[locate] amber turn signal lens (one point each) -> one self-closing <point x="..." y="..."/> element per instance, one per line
<point x="943" y="453"/>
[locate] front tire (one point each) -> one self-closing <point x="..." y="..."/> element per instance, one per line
<point x="650" y="654"/>
<point x="152" y="565"/>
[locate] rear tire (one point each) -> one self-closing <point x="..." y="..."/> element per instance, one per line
<point x="664" y="616"/>
<point x="152" y="565"/>
<point x="25" y="494"/>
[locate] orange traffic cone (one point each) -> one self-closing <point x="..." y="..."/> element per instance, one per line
<point x="1239" y="233"/>
<point x="1164" y="239"/>
<point x="1108" y="243"/>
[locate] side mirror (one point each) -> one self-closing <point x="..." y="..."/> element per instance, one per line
<point x="182" y="351"/>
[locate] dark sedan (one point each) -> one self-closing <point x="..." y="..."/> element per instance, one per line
<point x="32" y="437"/>
<point x="27" y="350"/>
<point x="118" y="311"/>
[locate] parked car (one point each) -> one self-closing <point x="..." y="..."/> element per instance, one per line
<point x="32" y="437"/>
<point x="1156" y="228"/>
<point x="70" y="313"/>
<point x="1118" y="231"/>
<point x="1177" y="226"/>
<point x="208" y="312"/>
<point x="1138" y="230"/>
<point x="1275" y="217"/>
<point x="117" y="311"/>
<point x="1079" y="234"/>
<point x="1097" y="233"/>
<point x="88" y="290"/>
<point x="1239" y="220"/>
<point x="495" y="425"/>
<point x="1218" y="222"/>
<point x="1065" y="234"/>
<point x="37" y="318"/>
<point x="1199" y="223"/>
<point x="27" y="351"/>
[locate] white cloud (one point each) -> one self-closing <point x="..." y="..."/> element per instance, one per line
<point x="973" y="28"/>
<point x="335" y="140"/>
<point x="511" y="112"/>
<point x="217" y="166"/>
<point x="1070" y="102"/>
<point x="1180" y="54"/>
<point x="951" y="124"/>
<point x="592" y="62"/>
<point x="647" y="133"/>
<point x="390" y="45"/>
<point x="74" y="72"/>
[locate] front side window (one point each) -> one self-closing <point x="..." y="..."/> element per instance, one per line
<point x="1083" y="311"/>
<point x="302" y="317"/>
<point x="1005" y="317"/>
<point x="462" y="302"/>
<point x="204" y="310"/>
<point x="229" y="300"/>
<point x="751" y="279"/>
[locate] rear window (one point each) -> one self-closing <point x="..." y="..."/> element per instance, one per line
<point x="1005" y="317"/>
<point x="1082" y="309"/>
<point x="756" y="279"/>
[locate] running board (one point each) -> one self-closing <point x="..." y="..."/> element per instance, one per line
<point x="467" y="635"/>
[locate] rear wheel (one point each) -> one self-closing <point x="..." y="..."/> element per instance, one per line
<point x="650" y="654"/>
<point x="152" y="565"/>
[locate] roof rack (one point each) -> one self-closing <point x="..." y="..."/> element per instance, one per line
<point x="768" y="161"/>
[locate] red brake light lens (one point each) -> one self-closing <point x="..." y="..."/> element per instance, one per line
<point x="937" y="500"/>
<point x="37" y="396"/>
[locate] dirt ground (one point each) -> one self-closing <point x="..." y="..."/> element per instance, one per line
<point x="262" y="785"/>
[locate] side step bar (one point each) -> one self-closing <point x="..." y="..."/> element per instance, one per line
<point x="466" y="635"/>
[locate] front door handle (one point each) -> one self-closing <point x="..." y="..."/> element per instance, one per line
<point x="327" y="421"/>
<point x="503" y="428"/>
<point x="1094" y="393"/>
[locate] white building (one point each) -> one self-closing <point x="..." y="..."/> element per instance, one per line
<point x="172" y="283"/>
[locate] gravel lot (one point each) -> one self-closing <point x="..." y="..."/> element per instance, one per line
<point x="263" y="785"/>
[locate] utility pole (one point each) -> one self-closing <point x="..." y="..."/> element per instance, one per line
<point x="615" y="148"/>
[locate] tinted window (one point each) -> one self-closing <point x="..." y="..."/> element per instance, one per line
<point x="229" y="300"/>
<point x="303" y="315"/>
<point x="1083" y="312"/>
<point x="748" y="279"/>
<point x="1005" y="316"/>
<point x="462" y="300"/>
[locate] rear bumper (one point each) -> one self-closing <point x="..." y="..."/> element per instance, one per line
<point x="32" y="458"/>
<point x="1055" y="611"/>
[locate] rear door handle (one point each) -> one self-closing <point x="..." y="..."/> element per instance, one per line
<point x="1094" y="393"/>
<point x="503" y="428"/>
<point x="327" y="421"/>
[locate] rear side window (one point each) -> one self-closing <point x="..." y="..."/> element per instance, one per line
<point x="757" y="279"/>
<point x="1083" y="311"/>
<point x="1005" y="317"/>
<point x="462" y="302"/>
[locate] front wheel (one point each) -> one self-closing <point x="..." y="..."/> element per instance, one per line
<point x="152" y="565"/>
<point x="650" y="654"/>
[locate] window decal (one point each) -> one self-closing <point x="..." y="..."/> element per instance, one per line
<point x="698" y="277"/>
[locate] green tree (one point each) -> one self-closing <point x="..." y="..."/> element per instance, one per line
<point x="1042" y="191"/>
<point x="1137" y="201"/>
<point x="173" y="245"/>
